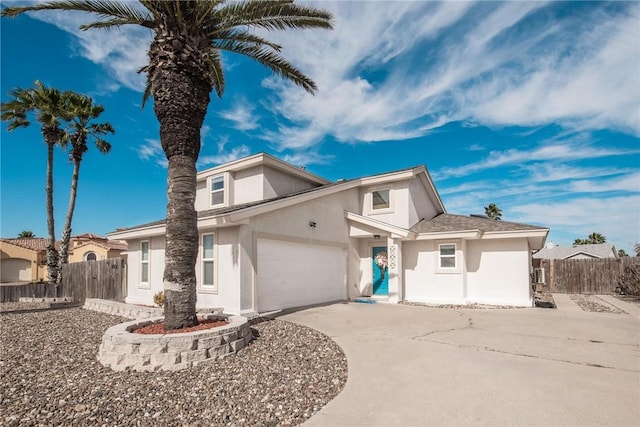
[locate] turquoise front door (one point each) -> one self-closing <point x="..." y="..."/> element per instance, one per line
<point x="380" y="270"/>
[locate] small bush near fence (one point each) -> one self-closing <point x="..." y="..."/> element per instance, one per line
<point x="629" y="282"/>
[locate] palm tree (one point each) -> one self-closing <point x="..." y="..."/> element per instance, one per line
<point x="26" y="234"/>
<point x="636" y="248"/>
<point x="81" y="112"/>
<point x="48" y="105"/>
<point x="493" y="212"/>
<point x="596" y="238"/>
<point x="185" y="65"/>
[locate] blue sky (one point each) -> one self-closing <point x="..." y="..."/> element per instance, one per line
<point x="533" y="106"/>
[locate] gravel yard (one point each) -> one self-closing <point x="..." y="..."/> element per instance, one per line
<point x="50" y="376"/>
<point x="594" y="304"/>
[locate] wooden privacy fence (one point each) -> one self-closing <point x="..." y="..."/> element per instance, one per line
<point x="104" y="279"/>
<point x="585" y="276"/>
<point x="11" y="293"/>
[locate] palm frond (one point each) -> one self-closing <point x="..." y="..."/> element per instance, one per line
<point x="216" y="71"/>
<point x="120" y="12"/>
<point x="243" y="36"/>
<point x="269" y="59"/>
<point x="273" y="15"/>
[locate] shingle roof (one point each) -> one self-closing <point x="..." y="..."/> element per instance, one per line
<point x="450" y="222"/>
<point x="602" y="250"/>
<point x="118" y="245"/>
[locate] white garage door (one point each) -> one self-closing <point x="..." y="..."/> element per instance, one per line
<point x="296" y="274"/>
<point x="15" y="270"/>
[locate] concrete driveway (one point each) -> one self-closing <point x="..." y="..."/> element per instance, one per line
<point x="418" y="366"/>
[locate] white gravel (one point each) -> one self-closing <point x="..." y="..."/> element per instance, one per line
<point x="50" y="376"/>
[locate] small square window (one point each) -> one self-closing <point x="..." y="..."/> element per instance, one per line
<point x="380" y="199"/>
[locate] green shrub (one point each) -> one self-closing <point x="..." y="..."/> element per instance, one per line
<point x="159" y="299"/>
<point x="629" y="282"/>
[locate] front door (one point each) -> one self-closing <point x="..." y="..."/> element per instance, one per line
<point x="380" y="271"/>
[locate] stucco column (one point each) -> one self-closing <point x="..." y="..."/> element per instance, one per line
<point x="394" y="254"/>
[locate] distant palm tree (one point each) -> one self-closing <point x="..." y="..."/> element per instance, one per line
<point x="636" y="248"/>
<point x="592" y="239"/>
<point x="48" y="105"/>
<point x="185" y="65"/>
<point x="26" y="234"/>
<point x="81" y="112"/>
<point x="596" y="238"/>
<point x="493" y="212"/>
<point x="622" y="253"/>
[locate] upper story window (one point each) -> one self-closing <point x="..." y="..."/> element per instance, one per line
<point x="217" y="189"/>
<point x="448" y="255"/>
<point x="380" y="199"/>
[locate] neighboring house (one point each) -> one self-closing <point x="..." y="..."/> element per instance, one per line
<point x="24" y="259"/>
<point x="274" y="236"/>
<point x="91" y="247"/>
<point x="602" y="250"/>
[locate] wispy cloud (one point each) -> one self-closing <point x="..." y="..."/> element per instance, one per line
<point x="224" y="156"/>
<point x="241" y="116"/>
<point x="122" y="51"/>
<point x="151" y="150"/>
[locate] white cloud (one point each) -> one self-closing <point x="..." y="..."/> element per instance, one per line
<point x="495" y="159"/>
<point x="121" y="51"/>
<point x="224" y="157"/>
<point x="617" y="217"/>
<point x="242" y="116"/>
<point x="152" y="150"/>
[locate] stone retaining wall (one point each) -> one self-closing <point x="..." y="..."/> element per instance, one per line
<point x="121" y="349"/>
<point x="116" y="308"/>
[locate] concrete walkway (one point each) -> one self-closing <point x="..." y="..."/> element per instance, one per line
<point x="418" y="366"/>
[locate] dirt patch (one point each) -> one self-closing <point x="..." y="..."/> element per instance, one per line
<point x="158" y="328"/>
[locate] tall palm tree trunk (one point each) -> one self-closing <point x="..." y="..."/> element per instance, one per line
<point x="66" y="230"/>
<point x="52" y="253"/>
<point x="181" y="98"/>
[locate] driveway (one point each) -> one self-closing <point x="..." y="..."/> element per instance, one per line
<point x="417" y="366"/>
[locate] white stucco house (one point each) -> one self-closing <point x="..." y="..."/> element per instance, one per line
<point x="275" y="236"/>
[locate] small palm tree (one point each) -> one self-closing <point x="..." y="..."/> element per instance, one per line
<point x="636" y="249"/>
<point x="493" y="212"/>
<point x="185" y="66"/>
<point x="26" y="234"/>
<point x="81" y="112"/>
<point x="48" y="106"/>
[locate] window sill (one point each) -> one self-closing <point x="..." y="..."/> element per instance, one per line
<point x="207" y="290"/>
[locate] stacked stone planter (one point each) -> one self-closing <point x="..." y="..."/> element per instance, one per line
<point x="121" y="349"/>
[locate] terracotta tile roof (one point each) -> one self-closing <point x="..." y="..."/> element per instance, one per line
<point x="35" y="244"/>
<point x="450" y="222"/>
<point x="89" y="236"/>
<point x="118" y="245"/>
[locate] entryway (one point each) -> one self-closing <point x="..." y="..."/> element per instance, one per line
<point x="380" y="271"/>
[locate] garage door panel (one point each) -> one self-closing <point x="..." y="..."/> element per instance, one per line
<point x="295" y="274"/>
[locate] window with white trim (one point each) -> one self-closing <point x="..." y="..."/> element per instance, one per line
<point x="208" y="261"/>
<point x="447" y="255"/>
<point x="380" y="199"/>
<point x="216" y="188"/>
<point x="144" y="261"/>
<point x="90" y="256"/>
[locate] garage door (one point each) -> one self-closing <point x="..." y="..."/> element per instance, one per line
<point x="296" y="274"/>
<point x="15" y="270"/>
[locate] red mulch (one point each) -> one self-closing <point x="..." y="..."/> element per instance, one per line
<point x="158" y="328"/>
